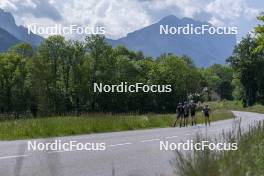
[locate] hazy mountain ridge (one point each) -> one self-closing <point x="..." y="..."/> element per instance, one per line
<point x="19" y="32"/>
<point x="6" y="40"/>
<point x="204" y="49"/>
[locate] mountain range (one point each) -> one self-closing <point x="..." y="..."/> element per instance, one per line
<point x="205" y="49"/>
<point x="6" y="40"/>
<point x="11" y="34"/>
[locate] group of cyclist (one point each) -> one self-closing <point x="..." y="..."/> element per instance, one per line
<point x="186" y="110"/>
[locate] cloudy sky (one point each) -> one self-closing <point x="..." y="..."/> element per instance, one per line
<point x="123" y="16"/>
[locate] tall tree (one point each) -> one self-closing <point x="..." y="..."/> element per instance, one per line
<point x="13" y="86"/>
<point x="248" y="64"/>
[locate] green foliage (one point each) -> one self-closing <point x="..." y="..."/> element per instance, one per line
<point x="260" y="34"/>
<point x="24" y="50"/>
<point x="217" y="79"/>
<point x="14" y="90"/>
<point x="247" y="160"/>
<point x="249" y="64"/>
<point x="57" y="78"/>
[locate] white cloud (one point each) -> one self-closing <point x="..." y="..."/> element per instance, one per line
<point x="7" y="5"/>
<point x="28" y="3"/>
<point x="118" y="16"/>
<point x="188" y="8"/>
<point x="216" y="22"/>
<point x="228" y="12"/>
<point x="251" y="13"/>
<point x="38" y="8"/>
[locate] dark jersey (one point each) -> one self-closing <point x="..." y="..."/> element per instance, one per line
<point x="180" y="110"/>
<point x="186" y="110"/>
<point x="193" y="109"/>
<point x="206" y="111"/>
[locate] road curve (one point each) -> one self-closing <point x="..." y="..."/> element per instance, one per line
<point x="130" y="153"/>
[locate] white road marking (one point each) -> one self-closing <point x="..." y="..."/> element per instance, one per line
<point x="150" y="140"/>
<point x="60" y="151"/>
<point x="169" y="137"/>
<point x="16" y="156"/>
<point x="115" y="145"/>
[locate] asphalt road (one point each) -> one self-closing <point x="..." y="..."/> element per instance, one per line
<point x="132" y="153"/>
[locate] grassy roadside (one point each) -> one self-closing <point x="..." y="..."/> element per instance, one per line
<point x="96" y="123"/>
<point x="248" y="160"/>
<point x="235" y="105"/>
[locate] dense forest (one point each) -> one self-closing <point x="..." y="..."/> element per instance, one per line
<point x="58" y="76"/>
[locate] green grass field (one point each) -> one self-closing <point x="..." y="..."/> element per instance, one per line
<point x="94" y="123"/>
<point x="235" y="105"/>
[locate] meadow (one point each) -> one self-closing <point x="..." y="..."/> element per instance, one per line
<point x="43" y="127"/>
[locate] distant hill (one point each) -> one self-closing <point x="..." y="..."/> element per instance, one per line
<point x="205" y="50"/>
<point x="19" y="32"/>
<point x="6" y="40"/>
